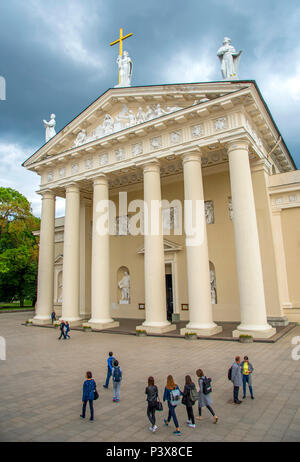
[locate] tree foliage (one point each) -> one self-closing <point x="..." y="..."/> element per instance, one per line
<point x="18" y="247"/>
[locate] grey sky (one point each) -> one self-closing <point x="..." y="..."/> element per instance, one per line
<point x="55" y="57"/>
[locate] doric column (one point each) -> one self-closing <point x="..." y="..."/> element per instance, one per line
<point x="250" y="277"/>
<point x="44" y="305"/>
<point x="101" y="317"/>
<point x="155" y="289"/>
<point x="280" y="261"/>
<point x="200" y="307"/>
<point x="70" y="303"/>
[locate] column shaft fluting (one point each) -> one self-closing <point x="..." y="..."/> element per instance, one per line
<point x="70" y="303"/>
<point x="249" y="267"/>
<point x="101" y="317"/>
<point x="44" y="305"/>
<point x="200" y="307"/>
<point x="155" y="290"/>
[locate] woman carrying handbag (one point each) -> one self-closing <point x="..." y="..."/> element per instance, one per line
<point x="153" y="403"/>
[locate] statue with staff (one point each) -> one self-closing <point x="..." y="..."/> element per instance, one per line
<point x="230" y="59"/>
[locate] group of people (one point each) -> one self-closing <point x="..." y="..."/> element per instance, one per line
<point x="173" y="396"/>
<point x="239" y="373"/>
<point x="64" y="330"/>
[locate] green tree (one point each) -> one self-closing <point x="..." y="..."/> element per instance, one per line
<point x="18" y="247"/>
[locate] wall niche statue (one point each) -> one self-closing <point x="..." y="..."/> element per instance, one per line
<point x="123" y="285"/>
<point x="59" y="287"/>
<point x="213" y="285"/>
<point x="209" y="212"/>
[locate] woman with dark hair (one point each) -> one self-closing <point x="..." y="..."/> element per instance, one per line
<point x="188" y="401"/>
<point x="204" y="399"/>
<point x="172" y="396"/>
<point x="152" y="398"/>
<point x="88" y="395"/>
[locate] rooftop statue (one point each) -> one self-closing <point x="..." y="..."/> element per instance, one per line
<point x="50" y="128"/>
<point x="230" y="59"/>
<point x="125" y="70"/>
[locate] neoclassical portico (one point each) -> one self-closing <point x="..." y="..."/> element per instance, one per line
<point x="201" y="154"/>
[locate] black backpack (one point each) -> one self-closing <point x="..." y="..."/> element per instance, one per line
<point x="206" y="385"/>
<point x="229" y="373"/>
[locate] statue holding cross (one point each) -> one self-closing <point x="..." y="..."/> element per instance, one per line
<point x="124" y="62"/>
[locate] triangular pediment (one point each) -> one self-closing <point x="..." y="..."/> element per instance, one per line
<point x="169" y="246"/>
<point x="119" y="109"/>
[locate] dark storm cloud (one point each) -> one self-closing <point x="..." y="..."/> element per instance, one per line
<point x="56" y="56"/>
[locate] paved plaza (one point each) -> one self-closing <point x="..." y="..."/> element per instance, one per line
<point x="41" y="386"/>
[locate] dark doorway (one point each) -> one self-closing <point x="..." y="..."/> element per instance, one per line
<point x="169" y="295"/>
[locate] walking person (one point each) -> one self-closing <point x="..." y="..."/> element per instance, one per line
<point x="88" y="395"/>
<point x="189" y="398"/>
<point x="204" y="397"/>
<point x="172" y="395"/>
<point x="110" y="362"/>
<point x="236" y="379"/>
<point x="117" y="379"/>
<point x="53" y="316"/>
<point x="152" y="399"/>
<point x="67" y="329"/>
<point x="62" y="330"/>
<point x="247" y="370"/>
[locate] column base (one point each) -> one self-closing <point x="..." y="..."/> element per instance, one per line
<point x="41" y="321"/>
<point x="101" y="325"/>
<point x="266" y="333"/>
<point x="157" y="329"/>
<point x="202" y="332"/>
<point x="278" y="321"/>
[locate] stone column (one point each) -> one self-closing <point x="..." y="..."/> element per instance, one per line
<point x="200" y="307"/>
<point x="70" y="302"/>
<point x="280" y="261"/>
<point x="249" y="268"/>
<point x="45" y="288"/>
<point x="155" y="289"/>
<point x="101" y="317"/>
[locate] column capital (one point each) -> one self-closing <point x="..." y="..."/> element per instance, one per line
<point x="72" y="188"/>
<point x="238" y="144"/>
<point x="276" y="212"/>
<point x="192" y="156"/>
<point x="151" y="166"/>
<point x="100" y="180"/>
<point x="47" y="194"/>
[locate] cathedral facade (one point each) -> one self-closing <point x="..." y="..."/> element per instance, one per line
<point x="212" y="148"/>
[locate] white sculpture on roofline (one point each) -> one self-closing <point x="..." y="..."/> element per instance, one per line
<point x="50" y="128"/>
<point x="125" y="69"/>
<point x="230" y="59"/>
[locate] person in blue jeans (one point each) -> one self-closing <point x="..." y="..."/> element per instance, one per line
<point x="110" y="363"/>
<point x="247" y="370"/>
<point x="88" y="395"/>
<point x="172" y="391"/>
<point x="117" y="379"/>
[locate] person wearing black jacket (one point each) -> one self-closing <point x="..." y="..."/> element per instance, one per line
<point x="62" y="330"/>
<point x="187" y="401"/>
<point x="152" y="398"/>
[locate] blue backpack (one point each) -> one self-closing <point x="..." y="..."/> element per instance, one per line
<point x="117" y="375"/>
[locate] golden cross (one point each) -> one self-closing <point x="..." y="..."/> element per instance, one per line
<point x="120" y="41"/>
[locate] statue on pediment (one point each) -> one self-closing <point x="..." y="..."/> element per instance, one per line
<point x="140" y="116"/>
<point x="50" y="128"/>
<point x="230" y="59"/>
<point x="125" y="69"/>
<point x="108" y="124"/>
<point x="81" y="138"/>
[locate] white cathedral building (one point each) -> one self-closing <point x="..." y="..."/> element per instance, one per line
<point x="214" y="146"/>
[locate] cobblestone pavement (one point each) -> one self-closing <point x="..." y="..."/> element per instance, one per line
<point x="41" y="385"/>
